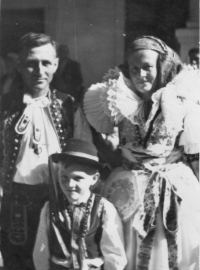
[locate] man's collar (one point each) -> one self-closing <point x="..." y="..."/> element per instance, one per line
<point x="48" y="95"/>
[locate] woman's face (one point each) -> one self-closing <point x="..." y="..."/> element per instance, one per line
<point x="143" y="71"/>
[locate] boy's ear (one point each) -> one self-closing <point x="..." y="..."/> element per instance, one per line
<point x="96" y="177"/>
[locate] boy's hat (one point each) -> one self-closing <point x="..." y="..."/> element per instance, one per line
<point x="79" y="152"/>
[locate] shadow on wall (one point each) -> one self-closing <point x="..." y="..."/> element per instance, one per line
<point x="68" y="77"/>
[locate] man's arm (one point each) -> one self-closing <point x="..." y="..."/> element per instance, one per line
<point x="112" y="157"/>
<point x="82" y="130"/>
<point x="190" y="138"/>
<point x="81" y="127"/>
<point x="41" y="253"/>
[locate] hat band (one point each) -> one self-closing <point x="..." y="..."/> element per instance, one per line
<point x="79" y="154"/>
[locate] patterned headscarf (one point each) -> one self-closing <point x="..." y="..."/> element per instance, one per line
<point x="169" y="63"/>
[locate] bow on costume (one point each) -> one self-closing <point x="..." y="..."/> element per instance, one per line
<point x="32" y="116"/>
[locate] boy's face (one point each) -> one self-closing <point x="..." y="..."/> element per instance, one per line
<point x="75" y="181"/>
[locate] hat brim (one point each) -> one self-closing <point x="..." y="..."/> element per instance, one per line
<point x="76" y="160"/>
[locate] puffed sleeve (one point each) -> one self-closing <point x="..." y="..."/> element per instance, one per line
<point x="106" y="104"/>
<point x="41" y="254"/>
<point x="96" y="108"/>
<point x="190" y="137"/>
<point x="81" y="126"/>
<point x="112" y="242"/>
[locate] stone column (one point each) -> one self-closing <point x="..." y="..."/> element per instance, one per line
<point x="189" y="36"/>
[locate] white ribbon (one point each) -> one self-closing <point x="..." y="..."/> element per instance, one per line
<point x="32" y="115"/>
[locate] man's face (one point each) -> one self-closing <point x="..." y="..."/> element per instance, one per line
<point x="194" y="60"/>
<point x="37" y="66"/>
<point x="75" y="181"/>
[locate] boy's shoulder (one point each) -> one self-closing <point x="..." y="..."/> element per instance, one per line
<point x="99" y="198"/>
<point x="102" y="199"/>
<point x="104" y="204"/>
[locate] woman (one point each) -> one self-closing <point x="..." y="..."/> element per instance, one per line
<point x="155" y="190"/>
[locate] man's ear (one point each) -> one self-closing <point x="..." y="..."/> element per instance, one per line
<point x="56" y="63"/>
<point x="96" y="177"/>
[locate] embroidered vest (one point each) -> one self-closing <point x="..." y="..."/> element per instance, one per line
<point x="93" y="236"/>
<point x="11" y="110"/>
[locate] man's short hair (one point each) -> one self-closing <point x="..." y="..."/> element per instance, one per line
<point x="32" y="40"/>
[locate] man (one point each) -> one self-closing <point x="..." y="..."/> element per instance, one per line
<point x="34" y="124"/>
<point x="194" y="57"/>
<point x="9" y="79"/>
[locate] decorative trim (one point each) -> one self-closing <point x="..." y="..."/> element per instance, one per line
<point x="11" y="140"/>
<point x="79" y="154"/>
<point x="60" y="120"/>
<point x="18" y="233"/>
<point x="169" y="203"/>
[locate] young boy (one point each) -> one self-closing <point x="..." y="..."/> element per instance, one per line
<point x="78" y="229"/>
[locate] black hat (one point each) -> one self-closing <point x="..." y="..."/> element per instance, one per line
<point x="80" y="152"/>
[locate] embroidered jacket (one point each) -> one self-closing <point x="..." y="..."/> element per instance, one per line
<point x="12" y="108"/>
<point x="70" y="235"/>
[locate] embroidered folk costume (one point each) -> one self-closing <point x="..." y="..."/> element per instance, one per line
<point x="86" y="235"/>
<point x="155" y="191"/>
<point x="31" y="130"/>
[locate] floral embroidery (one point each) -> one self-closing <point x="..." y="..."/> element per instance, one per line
<point x="151" y="202"/>
<point x="158" y="186"/>
<point x="161" y="134"/>
<point x="173" y="256"/>
<point x="145" y="251"/>
<point x="122" y="194"/>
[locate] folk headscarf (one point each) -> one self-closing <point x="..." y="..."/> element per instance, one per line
<point x="169" y="64"/>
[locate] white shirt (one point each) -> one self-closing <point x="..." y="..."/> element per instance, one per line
<point x="32" y="168"/>
<point x="111" y="245"/>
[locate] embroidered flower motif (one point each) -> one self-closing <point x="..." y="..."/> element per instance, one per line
<point x="173" y="256"/>
<point x="161" y="135"/>
<point x="122" y="194"/>
<point x="149" y="197"/>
